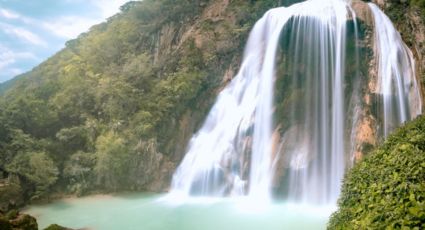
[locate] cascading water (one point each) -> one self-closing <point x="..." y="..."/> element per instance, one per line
<point x="396" y="71"/>
<point x="235" y="153"/>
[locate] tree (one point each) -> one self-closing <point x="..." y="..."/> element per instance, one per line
<point x="38" y="168"/>
<point x="112" y="156"/>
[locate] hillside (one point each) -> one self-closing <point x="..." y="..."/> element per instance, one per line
<point x="8" y="84"/>
<point x="114" y="110"/>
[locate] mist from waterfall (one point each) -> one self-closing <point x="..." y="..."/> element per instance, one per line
<point x="238" y="152"/>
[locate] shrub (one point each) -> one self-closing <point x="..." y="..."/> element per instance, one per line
<point x="386" y="190"/>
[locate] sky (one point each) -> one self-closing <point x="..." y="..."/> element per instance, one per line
<point x="33" y="30"/>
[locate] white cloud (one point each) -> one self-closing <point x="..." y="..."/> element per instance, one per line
<point x="63" y="26"/>
<point x="13" y="71"/>
<point x="11" y="15"/>
<point x="25" y="35"/>
<point x="108" y="7"/>
<point x="22" y="34"/>
<point x="9" y="57"/>
<point x="69" y="26"/>
<point x="5" y="62"/>
<point x="8" y="14"/>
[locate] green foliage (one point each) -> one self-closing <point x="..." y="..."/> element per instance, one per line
<point x="112" y="156"/>
<point x="19" y="143"/>
<point x="37" y="167"/>
<point x="420" y="4"/>
<point x="72" y="111"/>
<point x="12" y="214"/>
<point x="386" y="190"/>
<point x="10" y="195"/>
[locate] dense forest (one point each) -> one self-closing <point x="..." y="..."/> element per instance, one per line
<point x="114" y="110"/>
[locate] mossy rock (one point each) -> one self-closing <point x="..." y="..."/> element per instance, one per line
<point x="12" y="214"/>
<point x="4" y="224"/>
<point x="386" y="190"/>
<point x="56" y="227"/>
<point x="24" y="222"/>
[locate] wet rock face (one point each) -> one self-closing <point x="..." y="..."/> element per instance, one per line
<point x="151" y="169"/>
<point x="362" y="12"/>
<point x="364" y="134"/>
<point x="212" y="33"/>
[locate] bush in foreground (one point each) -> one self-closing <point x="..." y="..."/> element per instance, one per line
<point x="386" y="190"/>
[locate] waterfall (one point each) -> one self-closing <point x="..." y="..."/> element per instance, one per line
<point x="308" y="46"/>
<point x="396" y="71"/>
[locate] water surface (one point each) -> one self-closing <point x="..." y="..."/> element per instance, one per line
<point x="154" y="212"/>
